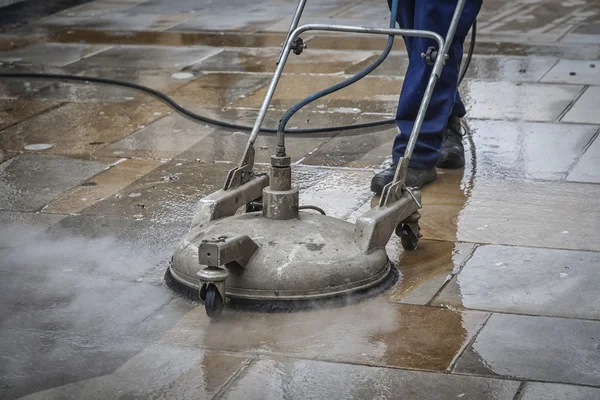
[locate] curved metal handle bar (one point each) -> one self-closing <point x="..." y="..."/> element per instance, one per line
<point x="335" y="28"/>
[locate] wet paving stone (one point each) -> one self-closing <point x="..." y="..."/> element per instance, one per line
<point x="51" y="53"/>
<point x="493" y="46"/>
<point x="158" y="371"/>
<point x="162" y="80"/>
<point x="552" y="391"/>
<point x="147" y="57"/>
<point x="538" y="348"/>
<point x="5" y="155"/>
<point x="81" y="129"/>
<point x="228" y="145"/>
<point x="134" y="21"/>
<point x="216" y="39"/>
<point x="581" y="112"/>
<point x="265" y="60"/>
<point x="10" y="42"/>
<point x="587" y="168"/>
<point x="534" y="20"/>
<point x="167" y="194"/>
<point x="547" y="214"/>
<point x="60" y="300"/>
<point x="16" y="227"/>
<point x="526" y="281"/>
<point x="509" y="69"/>
<point x="431" y="337"/>
<point x="376" y="94"/>
<point x="223" y="145"/>
<point x="101" y="186"/>
<point x="163" y="139"/>
<point x="511" y="149"/>
<point x="14" y="111"/>
<point x="587" y="33"/>
<point x="530" y="102"/>
<point x="30" y="181"/>
<point x="340" y="193"/>
<point x="425" y="271"/>
<point x="35" y="360"/>
<point x="574" y="72"/>
<point x="211" y="22"/>
<point x="217" y="90"/>
<point x="294" y="379"/>
<point x="129" y="250"/>
<point x="60" y="91"/>
<point x="95" y="8"/>
<point x="368" y="148"/>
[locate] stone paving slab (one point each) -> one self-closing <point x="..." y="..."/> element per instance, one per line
<point x="559" y="350"/>
<point x="224" y="22"/>
<point x="101" y="186"/>
<point x="124" y="249"/>
<point x="163" y="139"/>
<point x="587" y="168"/>
<point x="217" y="90"/>
<point x="136" y="21"/>
<point x="588" y="33"/>
<point x="430" y="337"/>
<point x="424" y="272"/>
<point x="147" y="57"/>
<point x="127" y="37"/>
<point x="338" y="192"/>
<point x="5" y="155"/>
<point x="581" y="112"/>
<point x="162" y="80"/>
<point x="524" y="150"/>
<point x="40" y="90"/>
<point x="169" y="193"/>
<point x="529" y="102"/>
<point x="16" y="227"/>
<point x="269" y="378"/>
<point x="30" y="181"/>
<point x="36" y="360"/>
<point x="265" y="60"/>
<point x="371" y="94"/>
<point x="228" y="145"/>
<point x="356" y="149"/>
<point x="52" y="298"/>
<point x="520" y="213"/>
<point x="552" y="391"/>
<point x="177" y="372"/>
<point x="527" y="281"/>
<point x="51" y="53"/>
<point x="493" y="68"/>
<point x="574" y="72"/>
<point x="14" y="111"/>
<point x="81" y="129"/>
<point x="224" y="145"/>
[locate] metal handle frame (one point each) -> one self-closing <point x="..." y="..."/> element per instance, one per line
<point x="390" y="191"/>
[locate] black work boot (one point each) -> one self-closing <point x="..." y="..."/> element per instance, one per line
<point x="414" y="178"/>
<point x="452" y="155"/>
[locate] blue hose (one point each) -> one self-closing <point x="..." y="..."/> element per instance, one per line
<point x="388" y="47"/>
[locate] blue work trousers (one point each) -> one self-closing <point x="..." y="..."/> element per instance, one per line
<point x="430" y="15"/>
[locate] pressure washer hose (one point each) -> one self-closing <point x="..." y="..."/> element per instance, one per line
<point x="204" y="119"/>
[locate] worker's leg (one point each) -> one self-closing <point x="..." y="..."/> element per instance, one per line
<point x="432" y="15"/>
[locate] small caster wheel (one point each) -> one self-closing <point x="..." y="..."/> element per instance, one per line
<point x="409" y="240"/>
<point x="213" y="302"/>
<point x="254" y="206"/>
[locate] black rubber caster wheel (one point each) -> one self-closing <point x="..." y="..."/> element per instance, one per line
<point x="409" y="240"/>
<point x="213" y="302"/>
<point x="254" y="206"/>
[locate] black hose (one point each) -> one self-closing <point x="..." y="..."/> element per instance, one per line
<point x="198" y="117"/>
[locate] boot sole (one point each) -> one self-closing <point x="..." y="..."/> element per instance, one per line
<point x="451" y="161"/>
